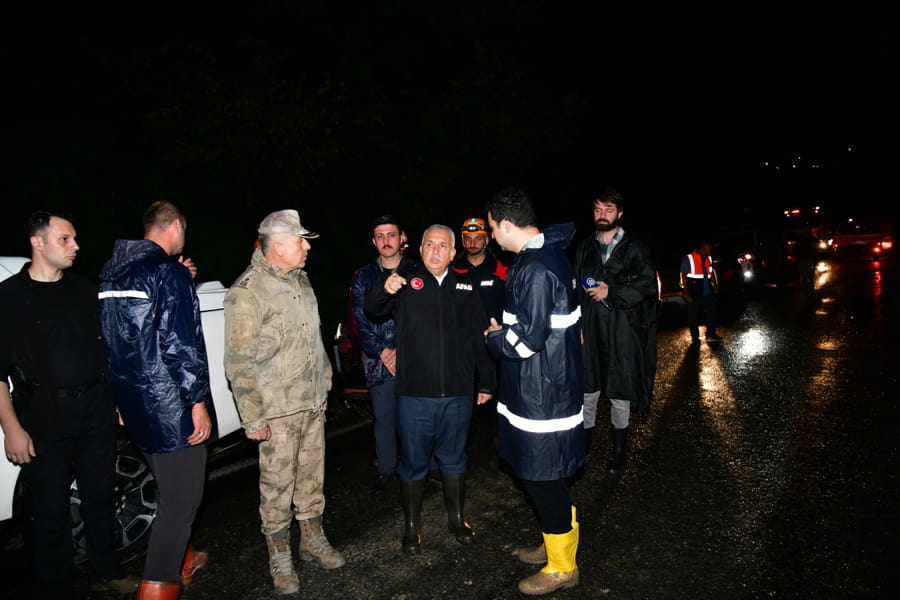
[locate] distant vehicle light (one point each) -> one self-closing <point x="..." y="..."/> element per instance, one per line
<point x="876" y="249"/>
<point x="823" y="245"/>
<point x="887" y="244"/>
<point x="748" y="274"/>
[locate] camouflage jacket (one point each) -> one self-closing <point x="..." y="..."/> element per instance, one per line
<point x="275" y="359"/>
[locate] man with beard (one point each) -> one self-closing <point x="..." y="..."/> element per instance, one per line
<point x="618" y="306"/>
<point x="488" y="275"/>
<point x="487" y="272"/>
<point x="378" y="340"/>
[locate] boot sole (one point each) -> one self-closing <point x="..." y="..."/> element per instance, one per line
<point x="562" y="586"/>
<point x="306" y="556"/>
<point x="287" y="590"/>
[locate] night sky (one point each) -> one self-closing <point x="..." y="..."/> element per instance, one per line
<point x="426" y="109"/>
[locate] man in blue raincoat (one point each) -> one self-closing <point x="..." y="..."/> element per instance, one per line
<point x="540" y="421"/>
<point x="150" y="316"/>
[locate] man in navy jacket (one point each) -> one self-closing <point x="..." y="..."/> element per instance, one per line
<point x="150" y="315"/>
<point x="379" y="350"/>
<point x="540" y="424"/>
<point x="439" y="321"/>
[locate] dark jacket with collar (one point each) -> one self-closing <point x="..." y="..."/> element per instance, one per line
<point x="374" y="333"/>
<point x="489" y="278"/>
<point x="440" y="334"/>
<point x="540" y="424"/>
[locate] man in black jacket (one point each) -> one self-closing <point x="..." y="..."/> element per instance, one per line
<point x="439" y="321"/>
<point x="618" y="309"/>
<point x="488" y="275"/>
<point x="63" y="421"/>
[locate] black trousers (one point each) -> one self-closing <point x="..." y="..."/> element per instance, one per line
<point x="181" y="476"/>
<point x="552" y="502"/>
<point x="89" y="457"/>
<point x="708" y="303"/>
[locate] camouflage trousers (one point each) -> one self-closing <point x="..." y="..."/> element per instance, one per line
<point x="292" y="470"/>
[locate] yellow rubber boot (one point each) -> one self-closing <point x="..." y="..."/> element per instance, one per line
<point x="561" y="570"/>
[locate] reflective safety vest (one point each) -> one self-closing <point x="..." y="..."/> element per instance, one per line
<point x="696" y="262"/>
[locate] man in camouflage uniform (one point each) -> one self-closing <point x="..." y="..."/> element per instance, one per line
<point x="280" y="375"/>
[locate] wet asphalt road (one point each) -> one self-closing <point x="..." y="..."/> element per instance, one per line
<point x="767" y="468"/>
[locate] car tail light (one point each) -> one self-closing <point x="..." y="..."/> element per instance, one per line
<point x="887" y="244"/>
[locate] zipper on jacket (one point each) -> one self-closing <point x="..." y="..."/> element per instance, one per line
<point x="441" y="364"/>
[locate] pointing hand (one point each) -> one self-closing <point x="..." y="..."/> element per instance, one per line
<point x="393" y="284"/>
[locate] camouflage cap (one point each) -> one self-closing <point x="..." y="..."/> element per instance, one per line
<point x="285" y="221"/>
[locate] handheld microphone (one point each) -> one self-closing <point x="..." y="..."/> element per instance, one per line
<point x="589" y="282"/>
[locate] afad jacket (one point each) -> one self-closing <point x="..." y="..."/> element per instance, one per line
<point x="489" y="278"/>
<point x="150" y="317"/>
<point x="374" y="334"/>
<point x="440" y="334"/>
<point x="540" y="420"/>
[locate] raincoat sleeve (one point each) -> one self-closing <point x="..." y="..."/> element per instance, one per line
<point x="181" y="342"/>
<point x="243" y="320"/>
<point x="378" y="302"/>
<point x="527" y="328"/>
<point x="639" y="283"/>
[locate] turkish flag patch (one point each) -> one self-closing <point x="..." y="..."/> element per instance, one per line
<point x="416" y="283"/>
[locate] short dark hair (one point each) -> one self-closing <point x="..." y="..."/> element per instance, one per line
<point x="609" y="196"/>
<point x="513" y="204"/>
<point x="160" y="214"/>
<point x="385" y="219"/>
<point x="39" y="220"/>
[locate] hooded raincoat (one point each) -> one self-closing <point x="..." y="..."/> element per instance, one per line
<point x="150" y="316"/>
<point x="540" y="425"/>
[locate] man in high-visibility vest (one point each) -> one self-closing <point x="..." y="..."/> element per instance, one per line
<point x="700" y="285"/>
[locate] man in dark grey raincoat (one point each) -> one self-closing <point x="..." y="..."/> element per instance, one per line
<point x="618" y="307"/>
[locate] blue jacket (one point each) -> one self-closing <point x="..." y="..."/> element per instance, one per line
<point x="150" y="316"/>
<point x="375" y="334"/>
<point x="540" y="423"/>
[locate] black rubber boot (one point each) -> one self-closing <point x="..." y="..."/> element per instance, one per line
<point x="454" y="500"/>
<point x="411" y="493"/>
<point x="588" y="434"/>
<point x="616" y="465"/>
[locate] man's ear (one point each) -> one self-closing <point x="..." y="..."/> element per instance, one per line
<point x="452" y="254"/>
<point x="37" y="242"/>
